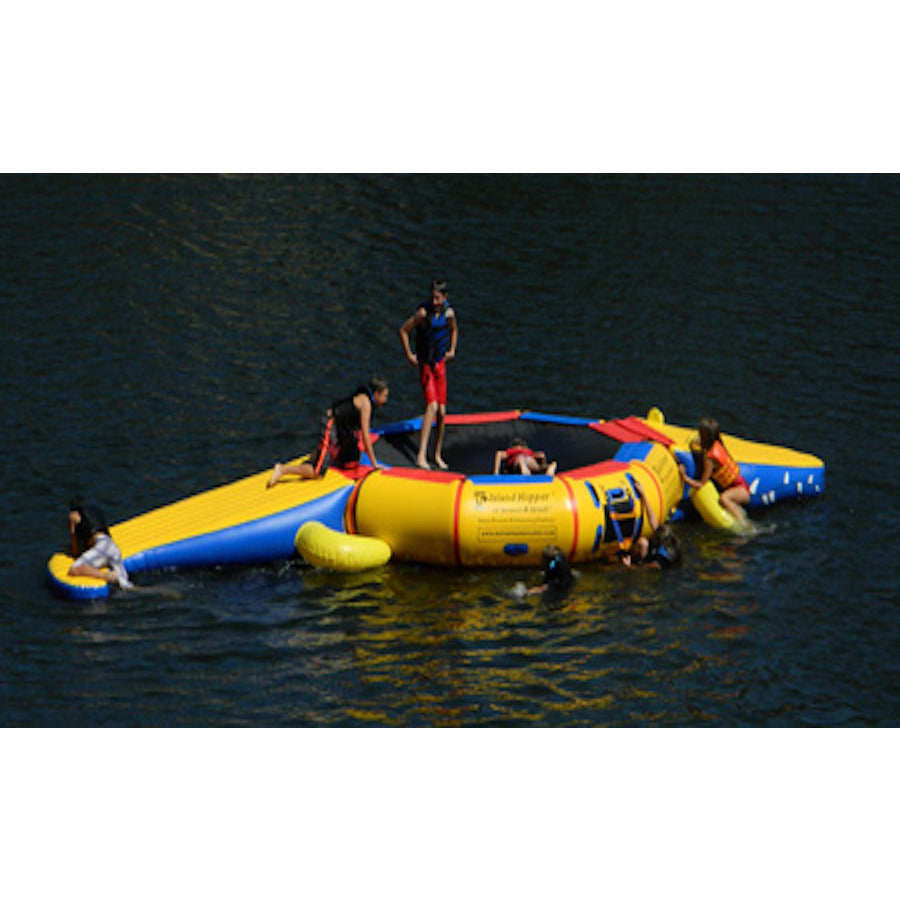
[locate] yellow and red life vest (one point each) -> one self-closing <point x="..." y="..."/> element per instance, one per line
<point x="725" y="469"/>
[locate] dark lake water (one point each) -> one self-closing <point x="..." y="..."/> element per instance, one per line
<point x="168" y="334"/>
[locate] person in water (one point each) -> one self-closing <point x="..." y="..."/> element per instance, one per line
<point x="96" y="554"/>
<point x="520" y="459"/>
<point x="558" y="575"/>
<point x="343" y="424"/>
<point x="434" y="324"/>
<point x="659" y="551"/>
<point x="717" y="463"/>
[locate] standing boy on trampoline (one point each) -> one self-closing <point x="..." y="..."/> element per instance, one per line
<point x="434" y="323"/>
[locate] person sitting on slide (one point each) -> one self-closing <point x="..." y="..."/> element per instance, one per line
<point x="96" y="554"/>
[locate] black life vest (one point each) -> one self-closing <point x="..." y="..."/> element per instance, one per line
<point x="558" y="576"/>
<point x="345" y="413"/>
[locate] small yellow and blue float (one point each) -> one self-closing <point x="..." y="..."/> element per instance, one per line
<point x="464" y="516"/>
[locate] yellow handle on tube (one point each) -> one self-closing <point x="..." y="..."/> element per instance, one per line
<point x="706" y="502"/>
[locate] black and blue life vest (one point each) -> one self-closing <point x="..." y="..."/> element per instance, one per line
<point x="664" y="549"/>
<point x="433" y="334"/>
<point x="557" y="572"/>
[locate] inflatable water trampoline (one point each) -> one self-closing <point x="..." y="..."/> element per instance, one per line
<point x="359" y="517"/>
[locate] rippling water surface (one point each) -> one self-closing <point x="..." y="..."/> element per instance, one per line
<point x="167" y="334"/>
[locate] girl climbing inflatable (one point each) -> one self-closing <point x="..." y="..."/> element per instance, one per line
<point x="717" y="463"/>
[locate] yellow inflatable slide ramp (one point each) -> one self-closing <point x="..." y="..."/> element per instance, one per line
<point x="773" y="473"/>
<point x="244" y="522"/>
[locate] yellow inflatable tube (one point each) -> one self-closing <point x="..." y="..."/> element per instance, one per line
<point x="326" y="548"/>
<point x="449" y="519"/>
<point x="706" y="502"/>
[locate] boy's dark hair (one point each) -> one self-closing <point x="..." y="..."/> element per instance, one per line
<point x="440" y="284"/>
<point x="377" y="383"/>
<point x="665" y="548"/>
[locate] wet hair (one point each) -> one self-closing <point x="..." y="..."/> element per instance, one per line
<point x="708" y="430"/>
<point x="557" y="571"/>
<point x="377" y="383"/>
<point x="665" y="548"/>
<point x="92" y="522"/>
<point x="637" y="559"/>
<point x="440" y="284"/>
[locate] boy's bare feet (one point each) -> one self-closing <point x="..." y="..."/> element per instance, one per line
<point x="276" y="475"/>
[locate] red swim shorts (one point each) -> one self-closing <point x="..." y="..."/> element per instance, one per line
<point x="334" y="449"/>
<point x="740" y="481"/>
<point x="433" y="379"/>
